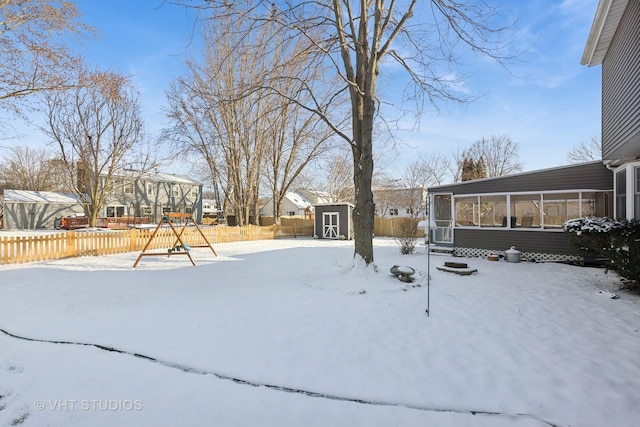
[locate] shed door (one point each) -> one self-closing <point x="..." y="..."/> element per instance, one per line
<point x="330" y="225"/>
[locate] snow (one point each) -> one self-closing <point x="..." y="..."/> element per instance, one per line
<point x="25" y="196"/>
<point x="296" y="332"/>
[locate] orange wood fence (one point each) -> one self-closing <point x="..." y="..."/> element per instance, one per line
<point x="24" y="249"/>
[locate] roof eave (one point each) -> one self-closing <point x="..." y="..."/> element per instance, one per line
<point x="605" y="23"/>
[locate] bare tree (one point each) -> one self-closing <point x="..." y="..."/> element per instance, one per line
<point x="586" y="151"/>
<point x="337" y="173"/>
<point x="408" y="194"/>
<point x="33" y="169"/>
<point x="498" y="153"/>
<point x="33" y="55"/>
<point x="434" y="169"/>
<point x="295" y="136"/>
<point x="98" y="133"/>
<point x="210" y="119"/>
<point x="358" y="39"/>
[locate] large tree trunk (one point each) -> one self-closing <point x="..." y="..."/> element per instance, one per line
<point x="364" y="209"/>
<point x="362" y="176"/>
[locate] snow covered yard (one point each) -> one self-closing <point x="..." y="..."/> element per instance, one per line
<point x="290" y="333"/>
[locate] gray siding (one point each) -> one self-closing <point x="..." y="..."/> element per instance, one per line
<point x="525" y="241"/>
<point x="344" y="219"/>
<point x="160" y="198"/>
<point x="591" y="176"/>
<point x="34" y="216"/>
<point x="621" y="89"/>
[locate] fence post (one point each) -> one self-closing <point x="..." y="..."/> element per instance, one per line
<point x="71" y="244"/>
<point x="133" y="244"/>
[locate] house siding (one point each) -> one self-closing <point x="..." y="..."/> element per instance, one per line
<point x="161" y="197"/>
<point x="592" y="176"/>
<point x="535" y="243"/>
<point x="36" y="216"/>
<point x="538" y="244"/>
<point x="621" y="90"/>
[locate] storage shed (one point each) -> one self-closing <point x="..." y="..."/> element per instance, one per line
<point x="333" y="221"/>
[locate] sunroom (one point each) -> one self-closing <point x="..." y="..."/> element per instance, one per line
<point x="527" y="210"/>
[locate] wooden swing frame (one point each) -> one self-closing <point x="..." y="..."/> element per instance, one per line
<point x="167" y="219"/>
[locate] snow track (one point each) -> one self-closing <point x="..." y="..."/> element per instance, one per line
<point x="191" y="370"/>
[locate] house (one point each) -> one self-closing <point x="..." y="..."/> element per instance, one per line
<point x="534" y="205"/>
<point x="315" y="196"/>
<point x="525" y="210"/>
<point x="293" y="204"/>
<point x="153" y="194"/>
<point x="400" y="202"/>
<point x="333" y="221"/>
<point x="31" y="210"/>
<point x="613" y="42"/>
<point x="209" y="208"/>
<point x="135" y="194"/>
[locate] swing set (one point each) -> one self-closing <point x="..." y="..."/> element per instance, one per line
<point x="180" y="247"/>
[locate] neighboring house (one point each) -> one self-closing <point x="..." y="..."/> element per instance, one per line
<point x="525" y="210"/>
<point x="149" y="195"/>
<point x="315" y="196"/>
<point x="31" y="210"/>
<point x="209" y="208"/>
<point x="293" y="204"/>
<point x="614" y="43"/>
<point x="400" y="202"/>
<point x="153" y="194"/>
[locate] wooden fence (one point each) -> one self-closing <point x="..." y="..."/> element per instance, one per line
<point x="393" y="227"/>
<point x="24" y="249"/>
<point x="388" y="227"/>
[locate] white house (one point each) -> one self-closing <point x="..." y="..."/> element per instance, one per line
<point x="400" y="202"/>
<point x="209" y="207"/>
<point x="293" y="204"/>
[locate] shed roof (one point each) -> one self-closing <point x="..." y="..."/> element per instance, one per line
<point x="335" y="204"/>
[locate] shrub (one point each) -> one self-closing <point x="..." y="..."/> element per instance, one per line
<point x="408" y="235"/>
<point x="618" y="240"/>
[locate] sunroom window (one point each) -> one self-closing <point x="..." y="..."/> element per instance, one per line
<point x="526" y="209"/>
<point x="466" y="209"/>
<point x="493" y="211"/>
<point x="560" y="207"/>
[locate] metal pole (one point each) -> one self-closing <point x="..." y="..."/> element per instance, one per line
<point x="428" y="253"/>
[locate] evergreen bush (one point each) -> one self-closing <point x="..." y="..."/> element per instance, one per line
<point x="617" y="240"/>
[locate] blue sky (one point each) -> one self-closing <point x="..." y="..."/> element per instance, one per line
<point x="547" y="104"/>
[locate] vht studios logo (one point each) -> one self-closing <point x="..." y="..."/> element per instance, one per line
<point x="89" y="405"/>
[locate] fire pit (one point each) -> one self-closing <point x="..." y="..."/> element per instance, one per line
<point x="460" y="268"/>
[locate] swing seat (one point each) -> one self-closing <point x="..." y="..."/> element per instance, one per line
<point x="179" y="248"/>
